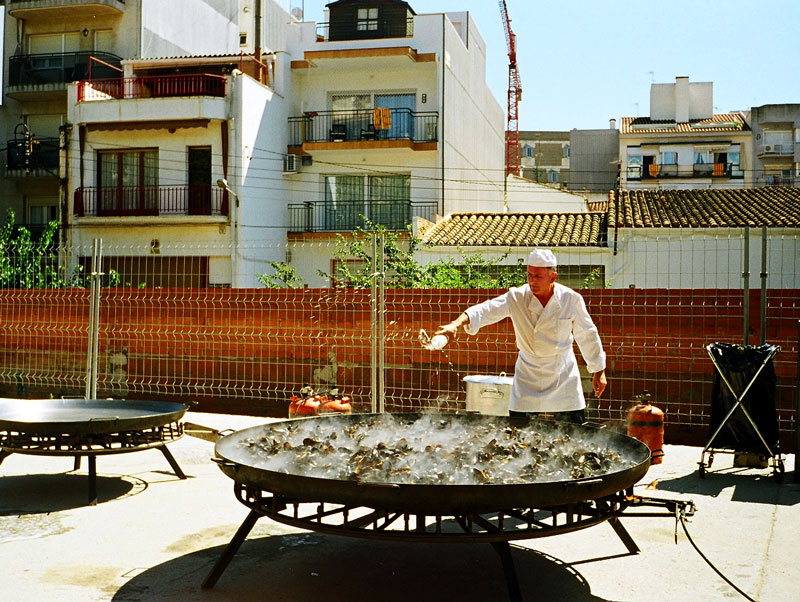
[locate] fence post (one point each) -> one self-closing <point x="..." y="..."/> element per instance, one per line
<point x="746" y="286"/>
<point x="373" y="339"/>
<point x="94" y="320"/>
<point x="381" y="323"/>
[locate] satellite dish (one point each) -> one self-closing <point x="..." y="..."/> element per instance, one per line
<point x="297" y="13"/>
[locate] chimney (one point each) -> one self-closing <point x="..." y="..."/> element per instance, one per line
<point x="612" y="124"/>
<point x="682" y="100"/>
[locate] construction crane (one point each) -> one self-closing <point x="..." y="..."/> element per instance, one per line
<point x="514" y="95"/>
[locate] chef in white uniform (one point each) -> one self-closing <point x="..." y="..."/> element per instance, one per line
<point x="547" y="318"/>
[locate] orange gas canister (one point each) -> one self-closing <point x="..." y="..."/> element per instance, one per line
<point x="307" y="405"/>
<point x="646" y="423"/>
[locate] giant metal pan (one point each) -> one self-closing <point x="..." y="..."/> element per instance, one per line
<point x="237" y="461"/>
<point x="85" y="416"/>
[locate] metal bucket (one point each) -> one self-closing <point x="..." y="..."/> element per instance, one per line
<point x="488" y="394"/>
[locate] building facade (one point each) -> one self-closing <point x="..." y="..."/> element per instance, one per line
<point x="544" y="157"/>
<point x="683" y="144"/>
<point x="48" y="44"/>
<point x="776" y="144"/>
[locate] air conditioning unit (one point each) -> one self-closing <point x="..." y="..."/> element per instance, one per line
<point x="768" y="149"/>
<point x="291" y="164"/>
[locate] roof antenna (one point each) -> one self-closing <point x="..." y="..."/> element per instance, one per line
<point x="652" y="77"/>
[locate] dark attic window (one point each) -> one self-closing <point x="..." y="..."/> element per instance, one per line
<point x="367" y="19"/>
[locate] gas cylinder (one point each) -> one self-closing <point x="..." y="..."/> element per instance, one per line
<point x="646" y="423"/>
<point x="304" y="406"/>
<point x="335" y="404"/>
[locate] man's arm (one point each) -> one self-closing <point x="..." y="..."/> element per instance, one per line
<point x="451" y="329"/>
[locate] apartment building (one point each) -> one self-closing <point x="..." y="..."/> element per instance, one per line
<point x="776" y="144"/>
<point x="391" y="119"/>
<point x="544" y="157"/>
<point x="49" y="43"/>
<point x="683" y="144"/>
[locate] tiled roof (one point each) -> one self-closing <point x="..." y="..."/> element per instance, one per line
<point x="519" y="230"/>
<point x="725" y="122"/>
<point x="773" y="206"/>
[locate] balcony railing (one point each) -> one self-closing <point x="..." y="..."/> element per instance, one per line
<point x="43" y="155"/>
<point x="58" y="67"/>
<point x="655" y="171"/>
<point x="775" y="150"/>
<point x="150" y="200"/>
<point x="345" y="216"/>
<point x="369" y="124"/>
<point x="373" y="29"/>
<point x="153" y="86"/>
<point x="717" y="170"/>
<point x="776" y="180"/>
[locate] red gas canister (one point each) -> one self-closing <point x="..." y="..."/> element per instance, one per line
<point x="646" y="423"/>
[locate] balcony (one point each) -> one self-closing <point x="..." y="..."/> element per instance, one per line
<point x="775" y="150"/>
<point x="776" y="180"/>
<point x="717" y="170"/>
<point x="34" y="75"/>
<point x="122" y="201"/>
<point x="655" y="171"/>
<point x="152" y="86"/>
<point x="346" y="216"/>
<point x="42" y="160"/>
<point x="48" y="9"/>
<point x="369" y="128"/>
<point x="379" y="29"/>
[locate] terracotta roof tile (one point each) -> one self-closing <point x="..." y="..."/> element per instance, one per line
<point x="519" y="230"/>
<point x="773" y="206"/>
<point x="725" y="122"/>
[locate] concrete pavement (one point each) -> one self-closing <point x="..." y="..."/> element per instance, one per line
<point x="154" y="537"/>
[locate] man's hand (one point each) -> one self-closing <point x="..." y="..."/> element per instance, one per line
<point x="599" y="382"/>
<point x="451" y="329"/>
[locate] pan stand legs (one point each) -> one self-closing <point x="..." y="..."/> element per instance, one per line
<point x="504" y="550"/>
<point x="623" y="534"/>
<point x="92" y="478"/>
<point x="231" y="549"/>
<point x="171" y="459"/>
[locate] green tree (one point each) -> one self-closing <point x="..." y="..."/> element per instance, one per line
<point x="403" y="270"/>
<point x="25" y="262"/>
<point x="284" y="277"/>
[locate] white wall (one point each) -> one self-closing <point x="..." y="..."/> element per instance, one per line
<point x="185" y="27"/>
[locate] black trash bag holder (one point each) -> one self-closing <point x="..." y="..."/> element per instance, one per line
<point x="775" y="458"/>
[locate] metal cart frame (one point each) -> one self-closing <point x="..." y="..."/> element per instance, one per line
<point x="775" y="459"/>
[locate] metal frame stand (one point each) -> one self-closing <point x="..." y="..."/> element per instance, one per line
<point x="495" y="528"/>
<point x="776" y="460"/>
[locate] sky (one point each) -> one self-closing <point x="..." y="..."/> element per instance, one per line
<point x="583" y="62"/>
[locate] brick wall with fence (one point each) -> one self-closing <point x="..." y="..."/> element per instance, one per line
<point x="248" y="350"/>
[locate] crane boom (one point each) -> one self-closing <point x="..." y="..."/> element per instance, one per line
<point x="514" y="95"/>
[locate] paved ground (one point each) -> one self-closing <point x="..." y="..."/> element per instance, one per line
<point x="154" y="537"/>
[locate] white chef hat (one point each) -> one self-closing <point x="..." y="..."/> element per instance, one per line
<point x="542" y="258"/>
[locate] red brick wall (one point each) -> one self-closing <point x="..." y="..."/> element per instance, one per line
<point x="248" y="350"/>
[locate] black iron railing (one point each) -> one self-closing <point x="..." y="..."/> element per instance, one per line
<point x="43" y="154"/>
<point x="345" y="216"/>
<point x="59" y="67"/>
<point x="368" y="29"/>
<point x="657" y="171"/>
<point x="367" y="124"/>
<point x="116" y="201"/>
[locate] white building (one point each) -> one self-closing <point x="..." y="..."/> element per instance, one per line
<point x="683" y="144"/>
<point x="49" y="43"/>
<point x="391" y="119"/>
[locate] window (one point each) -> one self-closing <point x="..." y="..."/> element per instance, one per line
<point x="127" y="182"/>
<point x="354" y="117"/>
<point x="528" y="151"/>
<point x="367" y="19"/>
<point x="635" y="166"/>
<point x="669" y="158"/>
<point x="554" y="176"/>
<point x="384" y="200"/>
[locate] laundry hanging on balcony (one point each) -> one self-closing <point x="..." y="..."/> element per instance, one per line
<point x="381" y="118"/>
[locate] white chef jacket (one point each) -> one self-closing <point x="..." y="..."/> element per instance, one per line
<point x="546" y="376"/>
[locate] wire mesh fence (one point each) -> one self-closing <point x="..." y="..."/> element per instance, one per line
<point x="171" y="326"/>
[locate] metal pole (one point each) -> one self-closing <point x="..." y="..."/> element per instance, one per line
<point x="90" y="344"/>
<point x="98" y="273"/>
<point x="381" y="315"/>
<point x="764" y="275"/>
<point x="746" y="286"/>
<point x="373" y="339"/>
<point x="797" y="411"/>
<point x="92" y="351"/>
